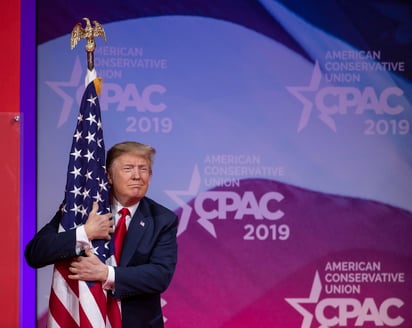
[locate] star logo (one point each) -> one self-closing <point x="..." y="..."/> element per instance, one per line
<point x="312" y="299"/>
<point x="59" y="87"/>
<point x="177" y="195"/>
<point x="163" y="303"/>
<point x="299" y="92"/>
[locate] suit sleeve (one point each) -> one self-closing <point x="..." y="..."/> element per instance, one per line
<point x="154" y="274"/>
<point x="49" y="246"/>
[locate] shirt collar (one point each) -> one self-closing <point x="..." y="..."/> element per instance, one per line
<point x="116" y="207"/>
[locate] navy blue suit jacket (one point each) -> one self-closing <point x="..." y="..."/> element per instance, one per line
<point x="147" y="262"/>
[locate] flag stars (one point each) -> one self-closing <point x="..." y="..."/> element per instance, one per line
<point x="75" y="225"/>
<point x="100" y="213"/>
<point x="76" y="191"/>
<point x="86" y="178"/>
<point x="89" y="155"/>
<point x="83" y="211"/>
<point x="77" y="135"/>
<point x="76" y="153"/>
<point x="92" y="100"/>
<point x="90" y="137"/>
<point x="99" y="125"/>
<point x="76" y="172"/>
<point x="95" y="250"/>
<point x="91" y="119"/>
<point x="103" y="185"/>
<point x="88" y="175"/>
<point x="76" y="209"/>
<point x="86" y="194"/>
<point x="98" y="197"/>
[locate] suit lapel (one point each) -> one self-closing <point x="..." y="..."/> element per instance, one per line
<point x="137" y="227"/>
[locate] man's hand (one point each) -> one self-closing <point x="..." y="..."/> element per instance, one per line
<point x="88" y="268"/>
<point x="98" y="226"/>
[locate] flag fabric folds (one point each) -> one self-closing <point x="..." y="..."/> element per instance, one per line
<point x="77" y="303"/>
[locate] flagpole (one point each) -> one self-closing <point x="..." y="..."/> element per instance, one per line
<point x="82" y="303"/>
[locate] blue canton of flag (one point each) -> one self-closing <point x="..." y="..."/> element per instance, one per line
<point x="86" y="174"/>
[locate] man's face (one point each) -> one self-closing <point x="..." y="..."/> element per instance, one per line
<point x="129" y="176"/>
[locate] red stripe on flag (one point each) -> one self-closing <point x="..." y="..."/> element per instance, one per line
<point x="84" y="320"/>
<point x="59" y="312"/>
<point x="100" y="297"/>
<point x="108" y="306"/>
<point x="63" y="268"/>
<point x="113" y="312"/>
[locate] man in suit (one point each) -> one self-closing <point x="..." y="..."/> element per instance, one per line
<point x="149" y="254"/>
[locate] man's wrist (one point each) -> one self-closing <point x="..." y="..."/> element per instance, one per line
<point x="86" y="231"/>
<point x="81" y="239"/>
<point x="106" y="273"/>
<point x="108" y="284"/>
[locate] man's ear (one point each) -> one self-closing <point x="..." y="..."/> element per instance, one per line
<point x="109" y="177"/>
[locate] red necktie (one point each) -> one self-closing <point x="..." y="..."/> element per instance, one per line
<point x="119" y="234"/>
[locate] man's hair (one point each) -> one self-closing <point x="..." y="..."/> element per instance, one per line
<point x="130" y="147"/>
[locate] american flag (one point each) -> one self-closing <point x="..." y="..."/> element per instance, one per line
<point x="77" y="303"/>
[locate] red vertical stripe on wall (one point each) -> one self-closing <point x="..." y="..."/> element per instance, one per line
<point x="10" y="150"/>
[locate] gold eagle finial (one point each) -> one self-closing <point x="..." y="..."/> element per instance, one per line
<point x="88" y="33"/>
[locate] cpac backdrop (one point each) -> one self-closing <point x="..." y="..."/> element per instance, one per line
<point x="284" y="143"/>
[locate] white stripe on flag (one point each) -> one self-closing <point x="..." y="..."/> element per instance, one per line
<point x="51" y="323"/>
<point x="66" y="295"/>
<point x="89" y="305"/>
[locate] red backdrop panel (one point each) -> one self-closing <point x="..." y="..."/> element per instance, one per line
<point x="10" y="172"/>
